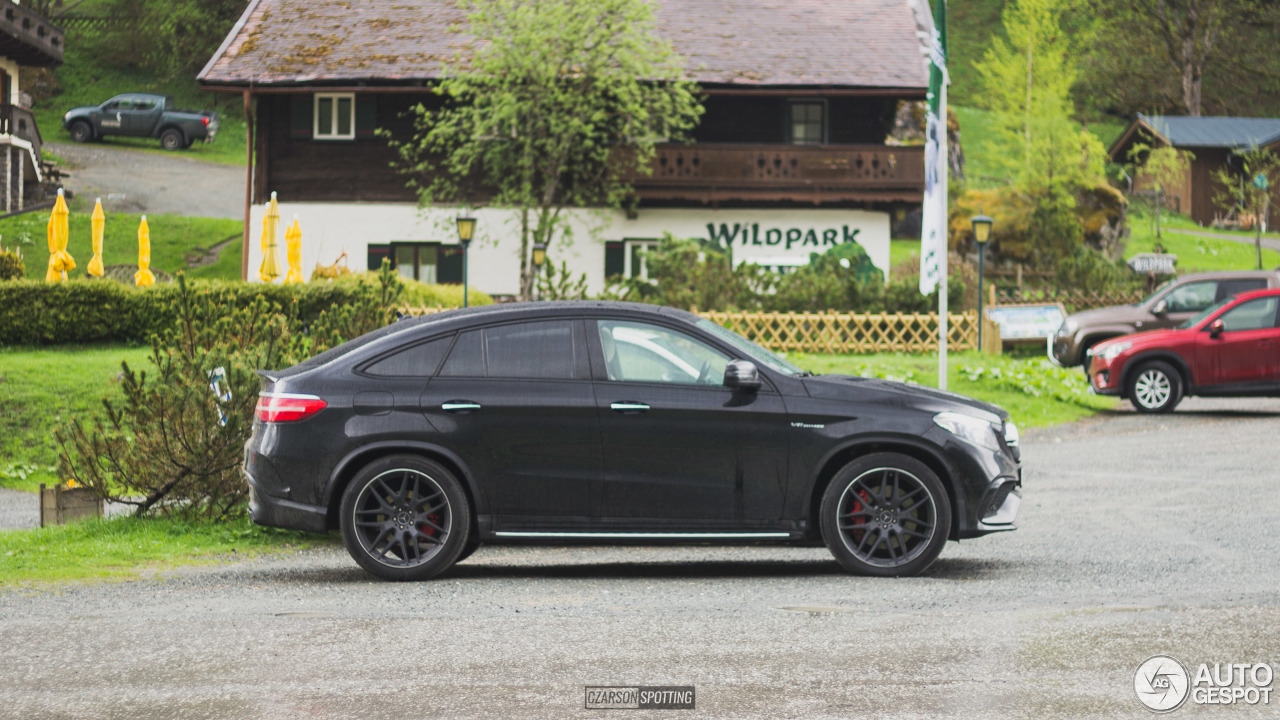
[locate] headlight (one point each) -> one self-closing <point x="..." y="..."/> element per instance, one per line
<point x="1111" y="352"/>
<point x="968" y="428"/>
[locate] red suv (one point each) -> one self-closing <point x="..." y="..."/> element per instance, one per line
<point x="1230" y="349"/>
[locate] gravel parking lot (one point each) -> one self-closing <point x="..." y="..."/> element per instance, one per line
<point x="1139" y="536"/>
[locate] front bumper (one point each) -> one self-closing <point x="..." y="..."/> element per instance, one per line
<point x="1104" y="378"/>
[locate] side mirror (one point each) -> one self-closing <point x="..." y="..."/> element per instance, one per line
<point x="1216" y="327"/>
<point x="742" y="374"/>
<point x="1160" y="308"/>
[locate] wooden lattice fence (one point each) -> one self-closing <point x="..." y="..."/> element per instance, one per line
<point x="837" y="332"/>
<point x="1073" y="299"/>
<point x="849" y="333"/>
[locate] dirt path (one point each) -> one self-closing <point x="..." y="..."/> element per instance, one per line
<point x="144" y="182"/>
<point x="1268" y="242"/>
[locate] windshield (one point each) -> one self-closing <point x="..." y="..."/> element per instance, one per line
<point x="1192" y="322"/>
<point x="751" y="350"/>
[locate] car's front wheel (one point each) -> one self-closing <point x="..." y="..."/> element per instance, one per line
<point x="80" y="131"/>
<point x="405" y="518"/>
<point x="1155" y="387"/>
<point x="885" y="514"/>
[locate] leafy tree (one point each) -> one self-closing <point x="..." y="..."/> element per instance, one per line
<point x="1251" y="186"/>
<point x="1183" y="55"/>
<point x="1165" y="168"/>
<point x="555" y="103"/>
<point x="180" y="35"/>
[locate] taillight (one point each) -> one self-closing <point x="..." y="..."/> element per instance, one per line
<point x="205" y="120"/>
<point x="288" y="407"/>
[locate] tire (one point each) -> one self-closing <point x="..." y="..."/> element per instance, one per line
<point x="473" y="544"/>
<point x="172" y="139"/>
<point x="1155" y="387"/>
<point x="427" y="534"/>
<point x="80" y="131"/>
<point x="886" y="515"/>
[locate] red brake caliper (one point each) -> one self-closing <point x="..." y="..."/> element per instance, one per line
<point x="857" y="508"/>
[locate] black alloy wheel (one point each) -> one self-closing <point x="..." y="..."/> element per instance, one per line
<point x="172" y="139"/>
<point x="405" y="518"/>
<point x="80" y="131"/>
<point x="1155" y="387"/>
<point x="885" y="514"/>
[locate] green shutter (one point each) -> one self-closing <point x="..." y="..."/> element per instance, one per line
<point x="366" y="116"/>
<point x="300" y="116"/>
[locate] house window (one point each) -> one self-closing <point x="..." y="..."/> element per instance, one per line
<point x="335" y="116"/>
<point x="418" y="261"/>
<point x="634" y="263"/>
<point x="807" y="122"/>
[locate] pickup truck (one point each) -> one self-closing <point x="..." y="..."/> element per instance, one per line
<point x="142" y="115"/>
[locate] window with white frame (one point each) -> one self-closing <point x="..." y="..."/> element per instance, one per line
<point x="634" y="264"/>
<point x="335" y="116"/>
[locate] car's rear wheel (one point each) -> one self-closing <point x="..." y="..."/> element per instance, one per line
<point x="1155" y="387"/>
<point x="885" y="514"/>
<point x="172" y="139"/>
<point x="405" y="518"/>
<point x="80" y="131"/>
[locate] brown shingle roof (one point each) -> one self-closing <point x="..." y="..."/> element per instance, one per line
<point x="843" y="43"/>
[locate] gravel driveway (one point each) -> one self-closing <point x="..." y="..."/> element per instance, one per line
<point x="1139" y="536"/>
<point x="148" y="182"/>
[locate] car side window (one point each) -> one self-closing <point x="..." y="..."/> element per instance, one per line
<point x="536" y="350"/>
<point x="1232" y="288"/>
<point x="640" y="352"/>
<point x="419" y="360"/>
<point x="1258" y="314"/>
<point x="144" y="105"/>
<point x="113" y="106"/>
<point x="467" y="357"/>
<point x="1192" y="297"/>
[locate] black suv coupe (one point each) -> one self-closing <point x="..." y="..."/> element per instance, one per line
<point x="564" y="422"/>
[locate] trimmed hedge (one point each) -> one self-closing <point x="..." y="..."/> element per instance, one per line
<point x="88" y="311"/>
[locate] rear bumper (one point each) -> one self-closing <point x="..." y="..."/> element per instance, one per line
<point x="275" y="512"/>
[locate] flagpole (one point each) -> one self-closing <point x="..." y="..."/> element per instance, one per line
<point x="946" y="246"/>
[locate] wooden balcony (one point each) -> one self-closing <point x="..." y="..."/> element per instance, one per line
<point x="27" y="38"/>
<point x="816" y="174"/>
<point x="17" y="121"/>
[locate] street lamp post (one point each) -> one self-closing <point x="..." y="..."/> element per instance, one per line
<point x="466" y="231"/>
<point x="981" y="234"/>
<point x="539" y="257"/>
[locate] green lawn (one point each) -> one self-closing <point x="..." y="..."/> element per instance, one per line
<point x="40" y="390"/>
<point x="85" y="80"/>
<point x="1196" y="253"/>
<point x="173" y="239"/>
<point x="1036" y="393"/>
<point x="123" y="547"/>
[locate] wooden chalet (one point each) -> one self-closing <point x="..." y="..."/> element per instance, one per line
<point x="26" y="40"/>
<point x="1213" y="140"/>
<point x="800" y="101"/>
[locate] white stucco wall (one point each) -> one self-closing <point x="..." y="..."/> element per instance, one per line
<point x="767" y="237"/>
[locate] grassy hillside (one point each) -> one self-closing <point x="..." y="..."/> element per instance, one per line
<point x="84" y="80"/>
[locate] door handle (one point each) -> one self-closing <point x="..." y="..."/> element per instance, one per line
<point x="629" y="407"/>
<point x="459" y="406"/>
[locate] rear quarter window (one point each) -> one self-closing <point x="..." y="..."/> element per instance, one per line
<point x="417" y="360"/>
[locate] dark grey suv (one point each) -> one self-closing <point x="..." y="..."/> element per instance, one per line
<point x="615" y="422"/>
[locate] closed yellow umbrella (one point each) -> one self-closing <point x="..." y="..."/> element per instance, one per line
<point x="270" y="268"/>
<point x="60" y="261"/>
<point x="144" y="278"/>
<point x="97" y="223"/>
<point x="293" y="252"/>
